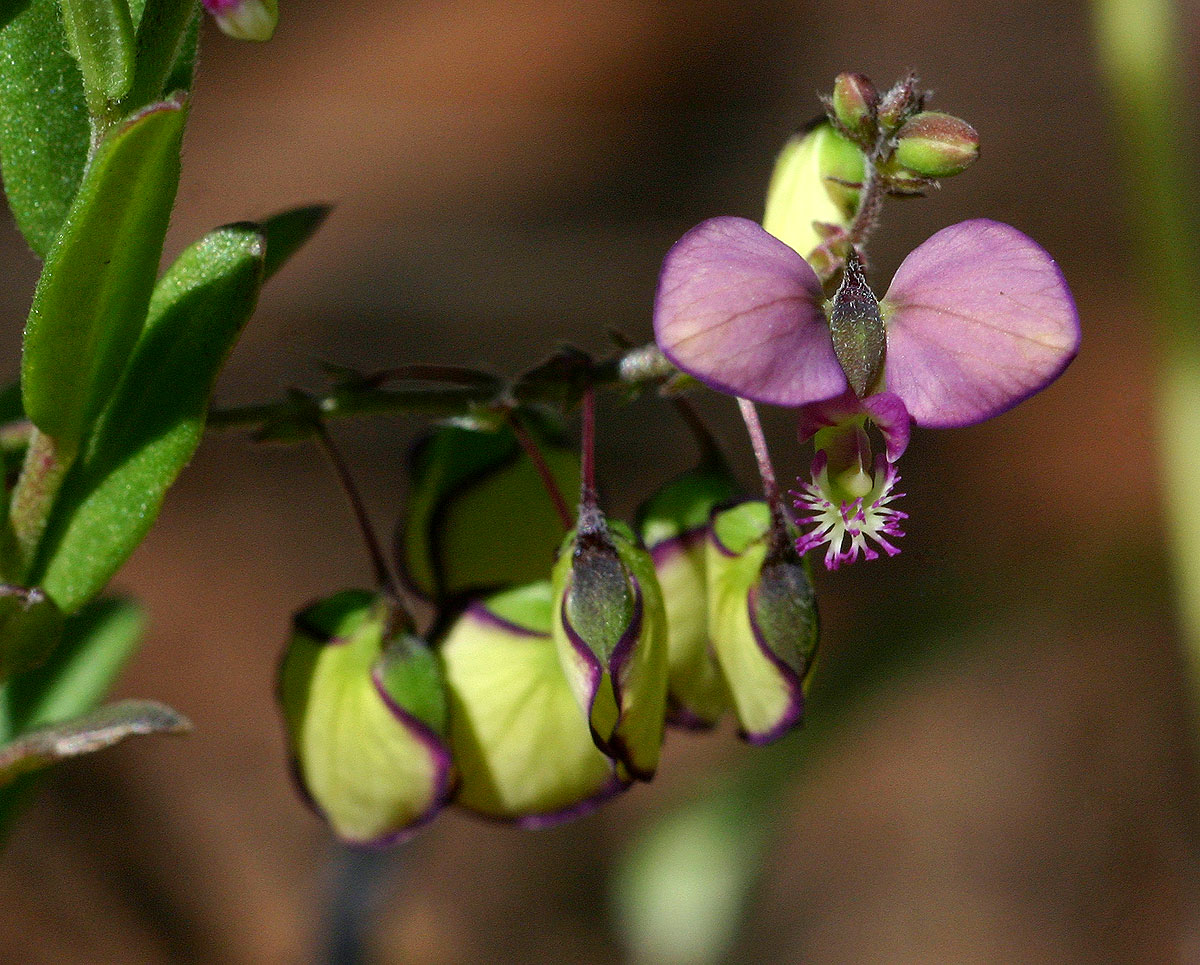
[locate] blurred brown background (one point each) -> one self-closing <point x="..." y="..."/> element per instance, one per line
<point x="508" y="175"/>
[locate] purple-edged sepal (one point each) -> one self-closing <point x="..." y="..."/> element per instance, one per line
<point x="366" y="719"/>
<point x="610" y="632"/>
<point x="763" y="619"/>
<point x="522" y="749"/>
<point x="674" y="528"/>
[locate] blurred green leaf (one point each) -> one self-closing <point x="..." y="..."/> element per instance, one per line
<point x="151" y="428"/>
<point x="90" y="304"/>
<point x="288" y="231"/>
<point x="100" y="35"/>
<point x="31" y="625"/>
<point x="478" y="516"/>
<point x="10" y="9"/>
<point x="43" y="122"/>
<point x="38" y="749"/>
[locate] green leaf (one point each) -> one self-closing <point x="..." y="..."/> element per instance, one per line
<point x="166" y="51"/>
<point x="90" y="303"/>
<point x="288" y="231"/>
<point x="100" y="35"/>
<point x="43" y="123"/>
<point x="31" y="626"/>
<point x="92" y="732"/>
<point x="155" y="421"/>
<point x="10" y="9"/>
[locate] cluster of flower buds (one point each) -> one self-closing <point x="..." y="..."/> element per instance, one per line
<point x="538" y="701"/>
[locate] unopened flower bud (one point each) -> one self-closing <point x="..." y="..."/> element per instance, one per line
<point x="855" y="103"/>
<point x="245" y="19"/>
<point x="899" y="103"/>
<point x="522" y="749"/>
<point x="814" y="181"/>
<point x="365" y="720"/>
<point x="936" y="145"/>
<point x="856" y="325"/>
<point x="610" y="631"/>
<point x="762" y="618"/>
<point x="674" y="527"/>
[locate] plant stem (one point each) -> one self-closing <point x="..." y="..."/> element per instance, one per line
<point x="46" y="466"/>
<point x="534" y="452"/>
<point x="766" y="469"/>
<point x="588" y="448"/>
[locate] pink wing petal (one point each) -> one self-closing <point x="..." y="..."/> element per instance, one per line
<point x="741" y="311"/>
<point x="979" y="318"/>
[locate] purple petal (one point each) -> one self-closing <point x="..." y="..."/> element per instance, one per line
<point x="979" y="318"/>
<point x="741" y="311"/>
<point x="885" y="409"/>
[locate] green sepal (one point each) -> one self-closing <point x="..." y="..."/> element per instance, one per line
<point x="351" y="700"/>
<point x="478" y="516"/>
<point x="44" y="132"/>
<point x="802" y="194"/>
<point x="523" y="751"/>
<point x="621" y="685"/>
<point x="31" y="625"/>
<point x="762" y="620"/>
<point x="91" y="300"/>
<point x="100" y="35"/>
<point x="674" y="527"/>
<point x="155" y="419"/>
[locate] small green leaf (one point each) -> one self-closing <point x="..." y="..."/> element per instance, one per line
<point x="38" y="749"/>
<point x="96" y="644"/>
<point x="288" y="231"/>
<point x="31" y="626"/>
<point x="166" y="49"/>
<point x="10" y="9"/>
<point x="100" y="35"/>
<point x="43" y="123"/>
<point x="151" y="428"/>
<point x="90" y="303"/>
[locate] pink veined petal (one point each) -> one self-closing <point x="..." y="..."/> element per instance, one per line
<point x="885" y="409"/>
<point x="979" y="318"/>
<point x="741" y="311"/>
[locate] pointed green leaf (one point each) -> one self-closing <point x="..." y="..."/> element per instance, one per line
<point x="38" y="749"/>
<point x="100" y="35"/>
<point x="288" y="231"/>
<point x="44" y="129"/>
<point x="90" y="303"/>
<point x="155" y="420"/>
<point x="370" y="765"/>
<point x="523" y="750"/>
<point x="31" y="626"/>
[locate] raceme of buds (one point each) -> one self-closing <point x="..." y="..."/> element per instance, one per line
<point x="611" y="635"/>
<point x="812" y="185"/>
<point x="674" y="527"/>
<point x="245" y="19"/>
<point x="522" y="749"/>
<point x="936" y="145"/>
<point x="763" y="619"/>
<point x="365" y="719"/>
<point x="855" y="104"/>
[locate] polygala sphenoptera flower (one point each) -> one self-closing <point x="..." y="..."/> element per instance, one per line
<point x="977" y="319"/>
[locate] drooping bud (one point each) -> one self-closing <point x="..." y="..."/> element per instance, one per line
<point x="610" y="631"/>
<point x="859" y="337"/>
<point x="855" y="103"/>
<point x="366" y="718"/>
<point x="936" y="145"/>
<point x="763" y="620"/>
<point x="468" y="482"/>
<point x="813" y="183"/>
<point x="674" y="526"/>
<point x="522" y="749"/>
<point x="245" y="19"/>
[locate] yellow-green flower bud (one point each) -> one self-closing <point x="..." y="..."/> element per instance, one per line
<point x="674" y="527"/>
<point x="610" y="631"/>
<point x="855" y="102"/>
<point x="365" y="719"/>
<point x="936" y="145"/>
<point x="523" y="751"/>
<point x="763" y="620"/>
<point x="813" y="183"/>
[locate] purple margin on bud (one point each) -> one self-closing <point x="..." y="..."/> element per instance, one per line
<point x="794" y="681"/>
<point x="665" y="549"/>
